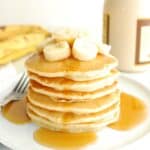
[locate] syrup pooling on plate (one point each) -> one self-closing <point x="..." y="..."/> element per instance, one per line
<point x="63" y="140"/>
<point x="15" y="112"/>
<point x="133" y="111"/>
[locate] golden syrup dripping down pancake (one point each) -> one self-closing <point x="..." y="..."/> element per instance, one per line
<point x="15" y="112"/>
<point x="63" y="140"/>
<point x="132" y="112"/>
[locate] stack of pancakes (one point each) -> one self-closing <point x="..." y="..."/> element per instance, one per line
<point x="71" y="95"/>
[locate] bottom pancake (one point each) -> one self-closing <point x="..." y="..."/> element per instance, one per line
<point x="74" y="128"/>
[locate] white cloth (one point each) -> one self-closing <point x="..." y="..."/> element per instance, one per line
<point x="8" y="77"/>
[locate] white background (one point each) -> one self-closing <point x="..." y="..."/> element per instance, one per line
<point x="74" y="13"/>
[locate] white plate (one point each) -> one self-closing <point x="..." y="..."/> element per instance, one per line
<point x="20" y="137"/>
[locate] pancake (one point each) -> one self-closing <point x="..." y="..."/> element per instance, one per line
<point x="71" y="95"/>
<point x="72" y="68"/>
<point x="74" y="128"/>
<point x="69" y="118"/>
<point x="86" y="106"/>
<point x="61" y="84"/>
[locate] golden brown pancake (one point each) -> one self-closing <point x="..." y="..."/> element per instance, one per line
<point x="71" y="95"/>
<point x="75" y="128"/>
<point x="85" y="106"/>
<point x="61" y="83"/>
<point x="68" y="118"/>
<point x="72" y="68"/>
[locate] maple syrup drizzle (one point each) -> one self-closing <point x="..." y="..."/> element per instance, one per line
<point x="15" y="112"/>
<point x="133" y="111"/>
<point x="63" y="140"/>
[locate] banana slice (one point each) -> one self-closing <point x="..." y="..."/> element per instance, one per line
<point x="64" y="34"/>
<point x="57" y="51"/>
<point x="68" y="34"/>
<point x="104" y="48"/>
<point x="84" y="49"/>
<point x="45" y="42"/>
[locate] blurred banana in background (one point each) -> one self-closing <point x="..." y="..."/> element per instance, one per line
<point x="19" y="40"/>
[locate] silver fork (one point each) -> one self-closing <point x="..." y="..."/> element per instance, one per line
<point x="19" y="90"/>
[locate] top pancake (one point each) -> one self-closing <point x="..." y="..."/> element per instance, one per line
<point x="72" y="68"/>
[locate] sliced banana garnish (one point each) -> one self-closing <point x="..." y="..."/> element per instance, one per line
<point x="55" y="50"/>
<point x="68" y="34"/>
<point x="45" y="42"/>
<point x="84" y="49"/>
<point x="64" y="34"/>
<point x="104" y="48"/>
<point x="65" y="41"/>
